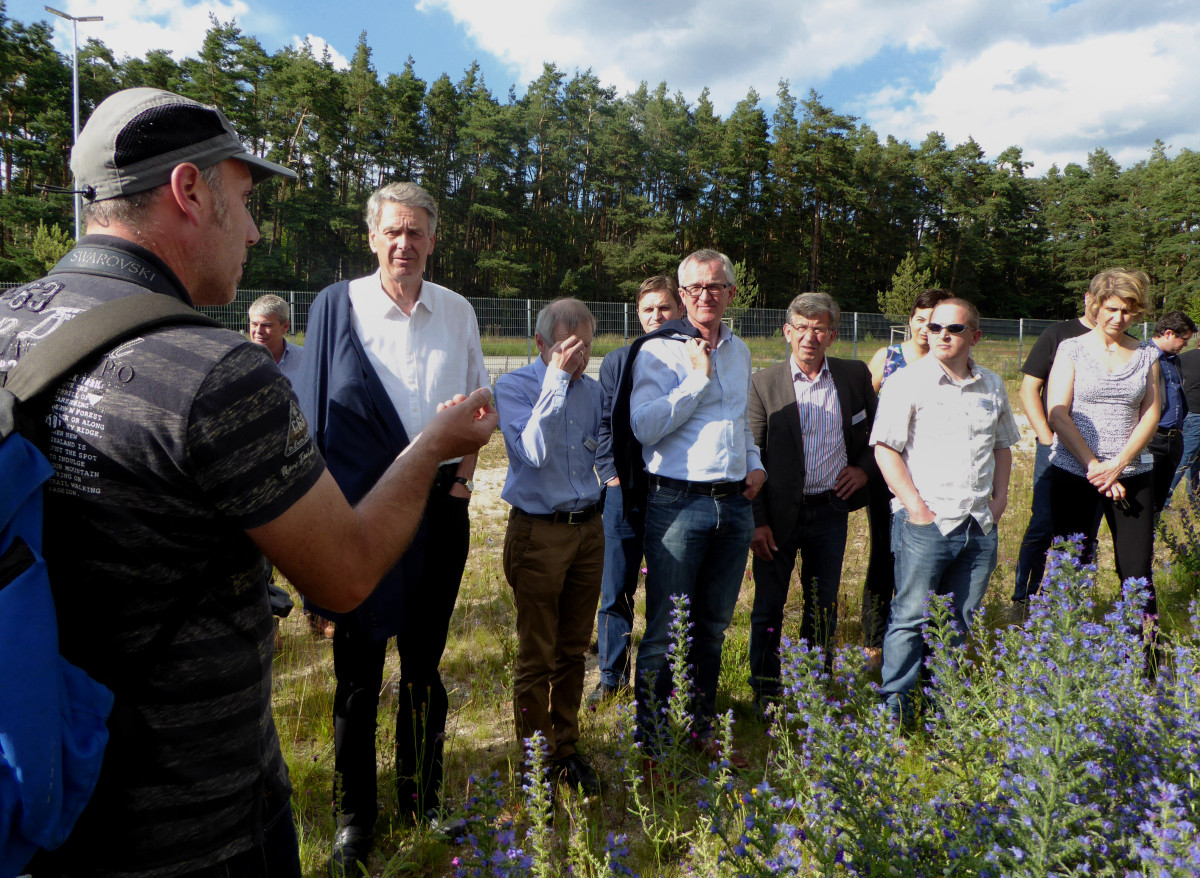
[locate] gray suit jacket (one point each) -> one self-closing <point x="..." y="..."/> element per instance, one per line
<point x="775" y="423"/>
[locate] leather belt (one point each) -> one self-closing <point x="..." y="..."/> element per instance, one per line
<point x="708" y="489"/>
<point x="579" y="516"/>
<point x="819" y="499"/>
<point x="1170" y="431"/>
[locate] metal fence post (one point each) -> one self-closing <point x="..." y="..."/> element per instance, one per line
<point x="1020" y="342"/>
<point x="528" y="330"/>
<point x="856" y="335"/>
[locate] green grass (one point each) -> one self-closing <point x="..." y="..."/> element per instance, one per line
<point x="477" y="671"/>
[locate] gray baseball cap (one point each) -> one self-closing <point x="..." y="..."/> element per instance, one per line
<point x="136" y="137"/>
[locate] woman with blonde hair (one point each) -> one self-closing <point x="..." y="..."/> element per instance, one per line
<point x="1103" y="407"/>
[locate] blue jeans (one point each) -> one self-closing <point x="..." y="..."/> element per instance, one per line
<point x="1190" y="462"/>
<point x="695" y="546"/>
<point x="622" y="564"/>
<point x="1039" y="534"/>
<point x="928" y="562"/>
<point x="820" y="537"/>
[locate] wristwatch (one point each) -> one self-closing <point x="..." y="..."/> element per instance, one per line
<point x="469" y="484"/>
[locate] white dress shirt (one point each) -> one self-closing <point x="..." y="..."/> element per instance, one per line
<point x="947" y="431"/>
<point x="422" y="358"/>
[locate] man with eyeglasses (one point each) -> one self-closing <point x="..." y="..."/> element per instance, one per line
<point x="688" y="388"/>
<point x="811" y="418"/>
<point x="943" y="440"/>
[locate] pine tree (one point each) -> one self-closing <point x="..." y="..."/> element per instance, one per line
<point x="907" y="284"/>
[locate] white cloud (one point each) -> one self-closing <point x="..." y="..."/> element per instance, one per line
<point x="133" y="27"/>
<point x="1056" y="79"/>
<point x="319" y="46"/>
<point x="1119" y="91"/>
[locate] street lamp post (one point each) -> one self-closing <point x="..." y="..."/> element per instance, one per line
<point x="75" y="87"/>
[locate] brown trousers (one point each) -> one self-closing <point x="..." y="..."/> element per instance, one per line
<point x="554" y="571"/>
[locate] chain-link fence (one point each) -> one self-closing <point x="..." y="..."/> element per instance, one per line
<point x="507" y="327"/>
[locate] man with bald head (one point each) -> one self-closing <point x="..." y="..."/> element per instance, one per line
<point x="554" y="549"/>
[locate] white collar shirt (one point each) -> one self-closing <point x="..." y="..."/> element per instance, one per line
<point x="947" y="432"/>
<point x="422" y="358"/>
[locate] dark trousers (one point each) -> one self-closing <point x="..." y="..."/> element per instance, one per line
<point x="422" y="703"/>
<point x="277" y="857"/>
<point x="1073" y="508"/>
<point x="819" y="536"/>
<point x="1167" y="448"/>
<point x="880" y="584"/>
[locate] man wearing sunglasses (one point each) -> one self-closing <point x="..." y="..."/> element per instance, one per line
<point x="943" y="436"/>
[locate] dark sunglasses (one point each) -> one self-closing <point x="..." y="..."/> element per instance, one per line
<point x="952" y="328"/>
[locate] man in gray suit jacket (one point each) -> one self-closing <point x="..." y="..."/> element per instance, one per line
<point x="811" y="418"/>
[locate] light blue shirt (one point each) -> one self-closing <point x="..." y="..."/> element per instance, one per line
<point x="550" y="429"/>
<point x="289" y="363"/>
<point x="692" y="427"/>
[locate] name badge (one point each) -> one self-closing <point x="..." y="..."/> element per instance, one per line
<point x="1147" y="457"/>
<point x="590" y="444"/>
<point x="859" y="418"/>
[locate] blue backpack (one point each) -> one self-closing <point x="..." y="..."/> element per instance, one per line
<point x="52" y="714"/>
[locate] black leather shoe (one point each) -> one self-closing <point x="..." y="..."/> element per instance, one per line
<point x="351" y="847"/>
<point x="577" y="771"/>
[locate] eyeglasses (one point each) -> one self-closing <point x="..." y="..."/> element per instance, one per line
<point x="713" y="291"/>
<point x="952" y="328"/>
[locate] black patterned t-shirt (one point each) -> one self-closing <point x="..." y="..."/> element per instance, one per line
<point x="166" y="452"/>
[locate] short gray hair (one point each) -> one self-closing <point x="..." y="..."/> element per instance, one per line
<point x="271" y="305"/>
<point x="566" y="312"/>
<point x="704" y="257"/>
<point x="810" y="305"/>
<point x="407" y="194"/>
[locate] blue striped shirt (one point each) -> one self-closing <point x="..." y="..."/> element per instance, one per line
<point x="821" y="426"/>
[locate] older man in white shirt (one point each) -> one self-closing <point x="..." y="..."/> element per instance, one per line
<point x="381" y="352"/>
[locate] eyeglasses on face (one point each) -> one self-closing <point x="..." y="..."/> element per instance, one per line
<point x="952" y="328"/>
<point x="713" y="291"/>
<point x="817" y="332"/>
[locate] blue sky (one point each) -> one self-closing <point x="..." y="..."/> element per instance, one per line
<point x="1056" y="78"/>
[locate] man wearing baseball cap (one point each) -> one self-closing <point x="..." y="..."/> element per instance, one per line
<point x="181" y="458"/>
